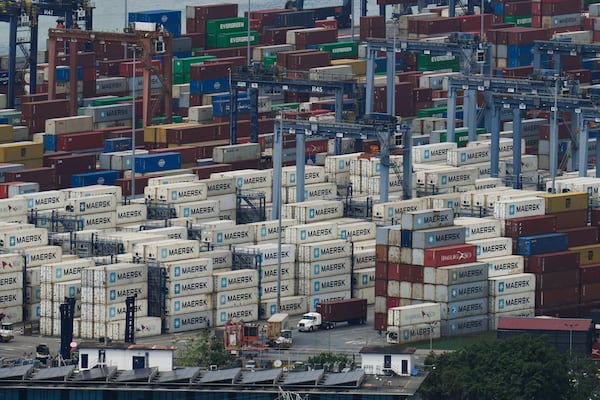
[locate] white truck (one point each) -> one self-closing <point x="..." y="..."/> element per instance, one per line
<point x="329" y="313"/>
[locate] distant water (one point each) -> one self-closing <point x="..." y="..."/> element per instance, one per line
<point x="110" y="15"/>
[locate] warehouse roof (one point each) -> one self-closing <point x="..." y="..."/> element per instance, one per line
<point x="387" y="350"/>
<point x="123" y="346"/>
<point x="545" y="323"/>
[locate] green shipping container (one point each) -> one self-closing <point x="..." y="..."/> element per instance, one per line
<point x="226" y="25"/>
<point x="430" y="62"/>
<point x="231" y="39"/>
<point x="285" y="106"/>
<point x="520" y="20"/>
<point x="111" y="101"/>
<point x="340" y="49"/>
<point x="269" y="60"/>
<point x="461" y="136"/>
<point x="182" y="65"/>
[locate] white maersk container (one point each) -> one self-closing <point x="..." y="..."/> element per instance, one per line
<point x="236" y="152"/>
<point x="318" y="269"/>
<point x="216" y="186"/>
<point x="170" y="232"/>
<point x="188" y="304"/>
<point x="465" y="326"/>
<point x="270" y="290"/>
<point x="331" y="73"/>
<point x="11" y="298"/>
<point x="37" y="256"/>
<point x="246" y="313"/>
<point x="316" y="191"/>
<point x="235" y="298"/>
<point x="227" y="235"/>
<point x="266" y="231"/>
<point x="451" y="177"/>
<point x="331" y="296"/>
<point x="172" y="179"/>
<point x="189" y="322"/>
<point x="363" y="278"/>
<point x="435" y="152"/>
<point x="170" y="250"/>
<point x="466" y="308"/>
<point x="315" y="210"/>
<point x="118" y="294"/>
<point x="248" y="178"/>
<point x="61" y="290"/>
<point x="292" y="305"/>
<point x="144" y="327"/>
<point x="13" y="207"/>
<point x="238" y="279"/>
<point x="414" y="314"/>
<point x="427" y="219"/>
<point x="178" y="192"/>
<point x="330" y="284"/>
<point x="495" y="247"/>
<point x="364" y="258"/>
<point x="512" y="302"/>
<point x="516" y="208"/>
<point x="14" y="315"/>
<point x="221" y="259"/>
<point x="130" y="213"/>
<point x="92" y="204"/>
<point x="312" y="174"/>
<point x="504" y="266"/>
<point x="115" y="312"/>
<point x="529" y="163"/>
<point x="189" y="269"/>
<point x="392" y="210"/>
<point x="340" y="163"/>
<point x="95" y="190"/>
<point x="517" y="283"/>
<point x="371" y="167"/>
<point x="269" y="273"/>
<point x="11" y="280"/>
<point x="413" y="333"/>
<point x="268" y="253"/>
<point x="105" y="220"/>
<point x="25" y="238"/>
<point x="115" y="275"/>
<point x="479" y="228"/>
<point x="206" y="209"/>
<point x="190" y="286"/>
<point x="460" y="273"/>
<point x="356" y="230"/>
<point x="463" y="291"/>
<point x="326" y="250"/>
<point x="11" y="262"/>
<point x="469" y="155"/>
<point x="488" y="183"/>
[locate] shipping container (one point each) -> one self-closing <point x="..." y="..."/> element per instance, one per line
<point x="168" y="250"/>
<point x="269" y="273"/>
<point x="466" y="308"/>
<point x="312" y="174"/>
<point x="64" y="270"/>
<point x="246" y="313"/>
<point x="31" y="237"/>
<point x="479" y="228"/>
<point x="188" y="304"/>
<point x="393" y="210"/>
<point x="427" y="219"/>
<point x="356" y="230"/>
<point x="270" y="290"/>
<point x="503" y="285"/>
<point x="330" y="284"/>
<point x="430" y="238"/>
<point x="325" y="250"/>
<point x="292" y="305"/>
<point x="512" y="302"/>
<point x="505" y="266"/>
<point x="189" y="322"/>
<point x="114" y="275"/>
<point x="523" y="207"/>
<point x="236" y="152"/>
<point x="118" y="294"/>
<point x="313" y="211"/>
<point x="526" y="226"/>
<point x="11" y="298"/>
<point x="248" y="179"/>
<point x="545" y="243"/>
<point x="462" y="273"/>
<point x="432" y="152"/>
<point x="188" y="269"/>
<point x="171" y="179"/>
<point x="315" y="191"/>
<point x="130" y="213"/>
<point x="270" y="253"/>
<point x="11" y="280"/>
<point x="115" y="312"/>
<point x="269" y="230"/>
<point x="311" y="233"/>
<point x="37" y="256"/>
<point x="13" y="207"/>
<point x="587" y="254"/>
<point x="465" y="326"/>
<point x="177" y="192"/>
<point x="331" y="267"/>
<point x="494" y="318"/>
<point x="91" y="205"/>
<point x="11" y="262"/>
<point x="413" y="333"/>
<point x="414" y="314"/>
<point x="495" y="247"/>
<point x="238" y="279"/>
<point x="228" y="235"/>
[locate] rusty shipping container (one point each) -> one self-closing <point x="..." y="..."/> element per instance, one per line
<point x="527" y="226"/>
<point x="551" y="262"/>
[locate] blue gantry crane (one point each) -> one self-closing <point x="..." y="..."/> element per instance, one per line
<point x="23" y="17"/>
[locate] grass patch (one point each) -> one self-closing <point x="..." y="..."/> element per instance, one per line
<point x="456" y="343"/>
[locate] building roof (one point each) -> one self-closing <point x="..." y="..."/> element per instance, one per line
<point x="387" y="350"/>
<point x="123" y="346"/>
<point x="545" y="324"/>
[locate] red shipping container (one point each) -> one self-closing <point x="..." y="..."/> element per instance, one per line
<point x="472" y="23"/>
<point x="79" y="141"/>
<point x="381" y="287"/>
<point x="519" y="35"/>
<point x="205" y="149"/>
<point x="43" y="110"/>
<point x="198" y="39"/>
<point x="527" y="226"/>
<point x="140" y="183"/>
<point x="4" y="187"/>
<point x="73" y="163"/>
<point x="590" y="292"/>
<point x="200" y="72"/>
<point x="551" y="9"/>
<point x="247" y="164"/>
<point x="237" y="62"/>
<point x="589" y="273"/>
<point x="565" y="295"/>
<point x="558" y="279"/>
<point x="326" y="23"/>
<point x="47" y="156"/>
<point x="571" y="219"/>
<point x="394" y="272"/>
<point x="213" y="11"/>
<point x="305" y="60"/>
<point x="450" y="255"/>
<point x="392" y="302"/>
<point x="432" y="26"/>
<point x="551" y="262"/>
<point x="517" y="8"/>
<point x="266" y="17"/>
<point x="581" y="236"/>
<point x="205" y="171"/>
<point x="273" y="36"/>
<point x="380" y="321"/>
<point x="126" y="68"/>
<point x="44" y="176"/>
<point x="314" y="36"/>
<point x="84" y="59"/>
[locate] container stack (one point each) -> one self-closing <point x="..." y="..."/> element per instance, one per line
<point x="365" y="176"/>
<point x="11" y="286"/>
<point x="556" y="14"/>
<point x="413" y="323"/>
<point x="236" y="295"/>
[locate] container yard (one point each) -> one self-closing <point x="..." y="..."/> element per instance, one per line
<point x="218" y="165"/>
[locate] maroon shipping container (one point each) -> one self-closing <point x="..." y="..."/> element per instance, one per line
<point x="236" y="62"/>
<point x="200" y="72"/>
<point x="527" y="226"/>
<point x="79" y="141"/>
<point x="273" y="36"/>
<point x="520" y="36"/>
<point x="472" y="23"/>
<point x="303" y="59"/>
<point x="581" y="236"/>
<point x="205" y="149"/>
<point x="353" y="311"/>
<point x="380" y="287"/>
<point x="57" y="108"/>
<point x="395" y="271"/>
<point x="557" y="297"/>
<point x="198" y="39"/>
<point x="392" y="302"/>
<point x="47" y="156"/>
<point x="126" y="68"/>
<point x="551" y="262"/>
<point x="205" y="171"/>
<point x="32" y="97"/>
<point x="73" y="163"/>
<point x="589" y="273"/>
<point x="45" y="176"/>
<point x="372" y="27"/>
<point x="517" y="8"/>
<point x="266" y="17"/>
<point x="450" y="255"/>
<point x="381" y="254"/>
<point x="313" y="36"/>
<point x="214" y="11"/>
<point x="553" y="9"/>
<point x="571" y="219"/>
<point x="198" y="133"/>
<point x="432" y="26"/>
<point x="140" y="183"/>
<point x="517" y="72"/>
<point x="84" y="60"/>
<point x="590" y="292"/>
<point x="595" y="216"/>
<point x="554" y="280"/>
<point x="563" y="131"/>
<point x="380" y="321"/>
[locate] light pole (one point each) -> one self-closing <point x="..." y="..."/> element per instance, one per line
<point x="571" y="325"/>
<point x="248" y="50"/>
<point x="431" y="326"/>
<point x="133" y="88"/>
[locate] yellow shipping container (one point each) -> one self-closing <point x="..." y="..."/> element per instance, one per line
<point x="6" y="133"/>
<point x="158" y="133"/>
<point x="359" y="67"/>
<point x="589" y="254"/>
<point x="20" y="151"/>
<point x="561" y="202"/>
<point x="150" y="134"/>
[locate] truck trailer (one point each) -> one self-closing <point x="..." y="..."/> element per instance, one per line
<point x="329" y="313"/>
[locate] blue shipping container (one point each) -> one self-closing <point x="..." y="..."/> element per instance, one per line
<point x="209" y="86"/>
<point x="95" y="178"/>
<point x="305" y="19"/>
<point x="49" y="143"/>
<point x="221" y="108"/>
<point x="157" y="162"/>
<point x="169" y="19"/>
<point x="117" y="144"/>
<point x="406" y="238"/>
<point x="539" y="244"/>
<point x="522" y="50"/>
<point x="63" y="73"/>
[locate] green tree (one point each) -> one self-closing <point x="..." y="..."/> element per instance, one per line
<point x="523" y="367"/>
<point x="203" y="350"/>
<point x="584" y="376"/>
<point x="329" y="358"/>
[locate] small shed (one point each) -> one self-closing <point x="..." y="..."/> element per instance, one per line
<point x="125" y="356"/>
<point x="383" y="360"/>
<point x="565" y="334"/>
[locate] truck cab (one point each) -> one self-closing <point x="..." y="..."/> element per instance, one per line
<point x="309" y="322"/>
<point x="6" y="332"/>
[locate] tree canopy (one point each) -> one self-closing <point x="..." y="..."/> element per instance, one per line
<point x="203" y="350"/>
<point x="522" y="367"/>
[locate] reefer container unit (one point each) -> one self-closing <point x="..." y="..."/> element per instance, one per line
<point x="268" y="254"/>
<point x="200" y="210"/>
<point x="324" y="250"/>
<point x="172" y="179"/>
<point x="269" y="273"/>
<point x="13" y="207"/>
<point x="313" y="211"/>
<point x="512" y="302"/>
<point x="118" y="294"/>
<point x="462" y="273"/>
<point x="11" y="298"/>
<point x="318" y="269"/>
<point x="292" y="305"/>
<point x="114" y="275"/>
<point x="464" y="326"/>
<point x="517" y="283"/>
<point x="188" y="304"/>
<point x="188" y="269"/>
<point x="413" y="333"/>
<point x="246" y="313"/>
<point x="11" y="262"/>
<point x="266" y="231"/>
<point x="130" y="213"/>
<point x="91" y="205"/>
<point x="312" y="174"/>
<point x="168" y="250"/>
<point x="356" y="230"/>
<point x="434" y="152"/>
<point x="546" y="243"/>
<point x="430" y="238"/>
<point x="311" y="233"/>
<point x="238" y="279"/>
<point x="465" y="308"/>
<point x="190" y="286"/>
<point x="37" y="256"/>
<point x="270" y="290"/>
<point x="427" y="219"/>
<point x="177" y="192"/>
<point x="114" y="312"/>
<point x="66" y="270"/>
<point x="414" y="314"/>
<point x="495" y="247"/>
<point x="46" y="200"/>
<point x="505" y="265"/>
<point x="11" y="280"/>
<point x="393" y="210"/>
<point x="522" y="207"/>
<point x="19" y="239"/>
<point x="189" y="322"/>
<point x="227" y="235"/>
<point x="464" y="291"/>
<point x="329" y="284"/>
<point x="248" y="178"/>
<point x="315" y="191"/>
<point x="479" y="228"/>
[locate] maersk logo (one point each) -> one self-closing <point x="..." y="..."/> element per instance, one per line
<point x="222" y="299"/>
<point x="177" y="271"/>
<point x="406" y="334"/>
<point x="511" y="209"/>
<point x="302" y="235"/>
<point x="177" y="323"/>
<point x="453" y="293"/>
<point x="174" y="195"/>
<point x="186" y="212"/>
<point x="177" y="288"/>
<point x="30" y="203"/>
<point x="463" y="157"/>
<point x="112" y="295"/>
<point x="378" y="167"/>
<point x="219" y="237"/>
<point x="316" y="253"/>
<point x="317" y="287"/>
<point x="365" y="279"/>
<point x="239" y="182"/>
<point x="342" y="164"/>
<point x="344" y="234"/>
<point x="431" y="238"/>
<point x="419" y="221"/>
<point x="12" y="241"/>
<point x="273" y="309"/>
<point x="163" y="253"/>
<point x="112" y="277"/>
<point x="501" y="304"/>
<point x="455" y="276"/>
<point x="72" y="291"/>
<point x="444" y="179"/>
<point x="263" y="231"/>
<point x="112" y="312"/>
<point x="317" y="269"/>
<point x="223" y="282"/>
<point x="426" y="155"/>
<point x="311" y="213"/>
<point x="501" y="287"/>
<point x="177" y="305"/>
<point x="390" y="212"/>
<point x="82" y="206"/>
<point x="59" y="273"/>
<point x="478" y="250"/>
<point x="223" y="316"/>
<point x="293" y="178"/>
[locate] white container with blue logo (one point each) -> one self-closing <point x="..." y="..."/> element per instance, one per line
<point x="62" y="290"/>
<point x="330" y="284"/>
<point x="37" y="256"/>
<point x="363" y="278"/>
<point x="65" y="270"/>
<point x="268" y="273"/>
<point x="517" y="283"/>
<point x="327" y="250"/>
<point x="512" y="302"/>
<point x="247" y="313"/>
<point x="190" y="287"/>
<point x="181" y="192"/>
<point x="266" y="231"/>
<point x="118" y="294"/>
<point x="11" y="262"/>
<point x="268" y="253"/>
<point x="437" y="237"/>
<point x="188" y="304"/>
<point x="427" y="219"/>
<point x="189" y="322"/>
<point x="238" y="279"/>
<point x="465" y="308"/>
<point x="517" y="208"/>
<point x="92" y="204"/>
<point x="392" y="210"/>
<point x="227" y="235"/>
<point x="312" y="174"/>
<point x="506" y="265"/>
<point x="311" y="233"/>
<point x="292" y="305"/>
<point x="494" y="247"/>
<point x="117" y="274"/>
<point x="189" y="269"/>
<point x="324" y="268"/>
<point x="270" y="290"/>
<point x="169" y="250"/>
<point x="204" y="209"/>
<point x="433" y="152"/>
<point x="479" y="228"/>
<point x="248" y="178"/>
<point x="115" y="312"/>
